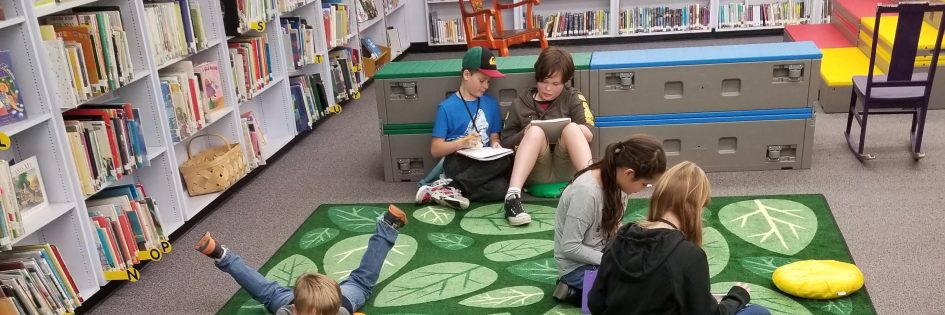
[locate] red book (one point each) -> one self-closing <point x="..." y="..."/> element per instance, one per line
<point x="194" y="99"/>
<point x="129" y="237"/>
<point x="65" y="270"/>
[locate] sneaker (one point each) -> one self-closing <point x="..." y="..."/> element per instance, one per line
<point x="425" y="193"/>
<point x="395" y="217"/>
<point x="515" y="213"/>
<point x="209" y="246"/>
<point x="450" y="197"/>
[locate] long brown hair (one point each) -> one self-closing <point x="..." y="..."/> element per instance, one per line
<point x="644" y="155"/>
<point x="683" y="190"/>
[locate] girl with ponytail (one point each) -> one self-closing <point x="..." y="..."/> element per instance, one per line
<point x="593" y="204"/>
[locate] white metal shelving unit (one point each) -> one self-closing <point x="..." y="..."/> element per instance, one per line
<point x="64" y="222"/>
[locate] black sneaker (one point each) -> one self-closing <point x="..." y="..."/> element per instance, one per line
<point x="515" y="213"/>
<point x="395" y="217"/>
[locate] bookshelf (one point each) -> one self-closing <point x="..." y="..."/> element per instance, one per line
<point x="65" y="221"/>
<point x="630" y="18"/>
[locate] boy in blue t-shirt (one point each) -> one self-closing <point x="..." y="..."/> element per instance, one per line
<point x="468" y="118"/>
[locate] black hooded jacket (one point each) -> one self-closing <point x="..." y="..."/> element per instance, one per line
<point x="656" y="271"/>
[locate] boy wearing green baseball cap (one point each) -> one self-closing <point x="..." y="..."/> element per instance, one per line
<point x="469" y="118"/>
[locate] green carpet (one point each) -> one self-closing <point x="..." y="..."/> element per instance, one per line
<point x="472" y="262"/>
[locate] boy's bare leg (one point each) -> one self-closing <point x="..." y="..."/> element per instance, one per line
<point x="578" y="147"/>
<point x="526" y="155"/>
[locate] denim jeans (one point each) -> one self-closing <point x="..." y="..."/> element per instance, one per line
<point x="355" y="290"/>
<point x="753" y="309"/>
<point x="575" y="278"/>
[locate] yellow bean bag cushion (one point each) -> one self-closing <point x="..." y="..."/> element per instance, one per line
<point x="818" y="279"/>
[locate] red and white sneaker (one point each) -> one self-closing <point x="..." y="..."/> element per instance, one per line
<point x="450" y="197"/>
<point x="425" y="193"/>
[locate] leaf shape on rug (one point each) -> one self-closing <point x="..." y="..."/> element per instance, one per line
<point x="435" y="282"/>
<point x="436" y="215"/>
<point x="317" y="237"/>
<point x="360" y="219"/>
<point x="781" y="226"/>
<point x="286" y="271"/>
<point x="450" y="241"/>
<point x="716" y="250"/>
<point x="490" y="220"/>
<point x="505" y="297"/>
<point x="252" y="307"/>
<point x="639" y="214"/>
<point x="513" y="250"/>
<point x="764" y="266"/>
<point x="776" y="302"/>
<point x="841" y="306"/>
<point x="564" y="309"/>
<point x="345" y="255"/>
<point x="543" y="270"/>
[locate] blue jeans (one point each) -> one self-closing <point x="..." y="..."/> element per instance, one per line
<point x="575" y="278"/>
<point x="355" y="290"/>
<point x="753" y="309"/>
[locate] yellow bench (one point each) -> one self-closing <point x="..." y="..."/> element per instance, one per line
<point x="837" y="69"/>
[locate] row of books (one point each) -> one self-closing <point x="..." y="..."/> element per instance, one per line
<point x="252" y="70"/>
<point x="175" y="28"/>
<point x="88" y="53"/>
<point x="21" y="191"/>
<point x="366" y="10"/>
<point x="286" y="6"/>
<point x="106" y="141"/>
<point x="664" y="19"/>
<point x="346" y="78"/>
<point x="34" y="279"/>
<point x="191" y="93"/>
<point x="12" y="108"/>
<point x="241" y="16"/>
<point x="254" y="136"/>
<point x="302" y="40"/>
<point x="770" y="14"/>
<point x="125" y="223"/>
<point x="391" y="4"/>
<point x="564" y="24"/>
<point x="337" y="23"/>
<point x="308" y="100"/>
<point x="447" y="31"/>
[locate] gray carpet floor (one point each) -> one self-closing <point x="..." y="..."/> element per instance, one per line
<point x="888" y="209"/>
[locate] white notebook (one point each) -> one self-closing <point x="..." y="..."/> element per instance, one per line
<point x="485" y="153"/>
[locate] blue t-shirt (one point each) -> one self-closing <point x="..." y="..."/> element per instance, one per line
<point x="453" y="121"/>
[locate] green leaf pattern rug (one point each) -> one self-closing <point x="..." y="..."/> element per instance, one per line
<point x="473" y="262"/>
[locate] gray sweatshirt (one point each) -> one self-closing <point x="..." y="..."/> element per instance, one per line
<point x="578" y="238"/>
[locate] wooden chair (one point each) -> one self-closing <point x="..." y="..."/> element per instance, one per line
<point x="499" y="38"/>
<point x="904" y="89"/>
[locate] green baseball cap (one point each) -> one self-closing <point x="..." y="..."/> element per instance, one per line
<point x="481" y="60"/>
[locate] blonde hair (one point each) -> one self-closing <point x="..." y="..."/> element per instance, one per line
<point x="683" y="190"/>
<point x="316" y="294"/>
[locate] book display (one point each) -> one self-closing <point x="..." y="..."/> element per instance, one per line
<point x="101" y="99"/>
<point x="560" y="19"/>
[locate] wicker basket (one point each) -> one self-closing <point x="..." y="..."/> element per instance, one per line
<point x="215" y="169"/>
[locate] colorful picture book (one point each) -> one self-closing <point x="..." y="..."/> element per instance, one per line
<point x="12" y="108"/>
<point x="28" y="185"/>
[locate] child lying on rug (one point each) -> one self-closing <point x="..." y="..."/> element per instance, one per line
<point x="314" y="294"/>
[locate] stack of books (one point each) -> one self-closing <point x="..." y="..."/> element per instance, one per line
<point x="34" y="279"/>
<point x="175" y="29"/>
<point x="21" y="191"/>
<point x="191" y="93"/>
<point x="106" y="142"/>
<point x="251" y="66"/>
<point x="124" y="220"/>
<point x="308" y="100"/>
